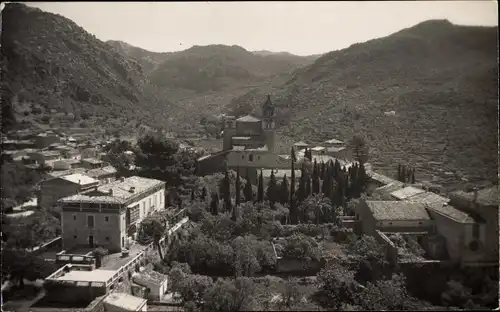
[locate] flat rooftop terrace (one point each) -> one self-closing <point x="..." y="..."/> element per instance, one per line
<point x="115" y="261"/>
<point x="81" y="251"/>
<point x="100" y="276"/>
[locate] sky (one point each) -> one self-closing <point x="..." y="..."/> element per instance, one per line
<point x="301" y="28"/>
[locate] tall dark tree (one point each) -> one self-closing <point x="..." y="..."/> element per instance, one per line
<point x="226" y="187"/>
<point x="360" y="149"/>
<point x="260" y="188"/>
<point x="301" y="193"/>
<point x="272" y="189"/>
<point x="193" y="197"/>
<point x="238" y="186"/>
<point x="293" y="206"/>
<point x="413" y="176"/>
<point x="308" y="187"/>
<point x="293" y="155"/>
<point x="399" y="172"/>
<point x="248" y="191"/>
<point x="315" y="178"/>
<point x="284" y="192"/>
<point x="214" y="205"/>
<point x="203" y="195"/>
<point x="322" y="172"/>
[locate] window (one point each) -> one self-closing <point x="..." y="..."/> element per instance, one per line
<point x="250" y="157"/>
<point x="90" y="221"/>
<point x="74" y="236"/>
<point x="74" y="217"/>
<point x="475" y="231"/>
<point x="258" y="157"/>
<point x="242" y="156"/>
<point x="149" y="204"/>
<point x="106" y="219"/>
<point x="107" y="238"/>
<point x="161" y="198"/>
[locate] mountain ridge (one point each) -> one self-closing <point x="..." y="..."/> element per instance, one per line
<point x="439" y="78"/>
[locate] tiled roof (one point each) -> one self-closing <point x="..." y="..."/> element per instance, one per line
<point x="248" y="118"/>
<point x="93" y="160"/>
<point x="427" y="198"/>
<point x="301" y="143"/>
<point x="334" y="141"/>
<point x="487" y="196"/>
<point x="318" y="148"/>
<point x="397" y="210"/>
<point x="104" y="199"/>
<point x="406" y="192"/>
<point x="241" y="138"/>
<point x="335" y="149"/>
<point x="382" y="178"/>
<point x="125" y="301"/>
<point x="79" y="178"/>
<point x="101" y="171"/>
<point x="121" y="189"/>
<point x="451" y="212"/>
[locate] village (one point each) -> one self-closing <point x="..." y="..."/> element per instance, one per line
<point x="128" y="240"/>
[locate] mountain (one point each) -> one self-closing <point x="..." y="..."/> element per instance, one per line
<point x="440" y="79"/>
<point x="287" y="55"/>
<point x="220" y="67"/>
<point x="51" y="66"/>
<point x="149" y="60"/>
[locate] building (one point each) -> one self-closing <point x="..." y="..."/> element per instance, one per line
<point x="44" y="140"/>
<point x="44" y="157"/>
<point x="483" y="203"/>
<point x="109" y="214"/>
<point x="66" y="164"/>
<point x="250" y="131"/>
<point x="393" y="217"/>
<point x="104" y="175"/>
<point x="92" y="163"/>
<point x="155" y="282"/>
<point x="118" y="302"/>
<point x="56" y="188"/>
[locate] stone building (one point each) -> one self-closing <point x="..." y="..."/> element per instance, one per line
<point x="108" y="215"/>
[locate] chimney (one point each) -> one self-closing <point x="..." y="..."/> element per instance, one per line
<point x="110" y="192"/>
<point x="122" y="179"/>
<point x="79" y="181"/>
<point x="132" y="189"/>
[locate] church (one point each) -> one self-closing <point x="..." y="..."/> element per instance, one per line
<point x="248" y="144"/>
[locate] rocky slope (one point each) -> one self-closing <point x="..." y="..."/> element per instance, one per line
<point x="148" y="60"/>
<point x="51" y="65"/>
<point x="440" y="80"/>
<point x="220" y="67"/>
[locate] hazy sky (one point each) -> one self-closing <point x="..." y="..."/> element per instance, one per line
<point x="298" y="27"/>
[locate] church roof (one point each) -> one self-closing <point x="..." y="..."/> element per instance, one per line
<point x="248" y="118"/>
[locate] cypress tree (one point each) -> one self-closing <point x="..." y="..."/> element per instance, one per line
<point x="234" y="214"/>
<point x="260" y="188"/>
<point x="214" y="205"/>
<point x="293" y="212"/>
<point x="272" y="189"/>
<point x="324" y="186"/>
<point x="308" y="187"/>
<point x="203" y="195"/>
<point x="399" y="173"/>
<point x="192" y="195"/>
<point x="238" y="186"/>
<point x="322" y="173"/>
<point x="284" y="195"/>
<point x="315" y="178"/>
<point x="227" y="192"/>
<point x="301" y="193"/>
<point x="413" y="176"/>
<point x="293" y="156"/>
<point x="247" y="191"/>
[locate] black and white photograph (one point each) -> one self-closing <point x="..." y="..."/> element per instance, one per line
<point x="205" y="156"/>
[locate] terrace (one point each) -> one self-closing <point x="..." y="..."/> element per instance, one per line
<point x="116" y="260"/>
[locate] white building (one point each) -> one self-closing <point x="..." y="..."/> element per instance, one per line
<point x="108" y="215"/>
